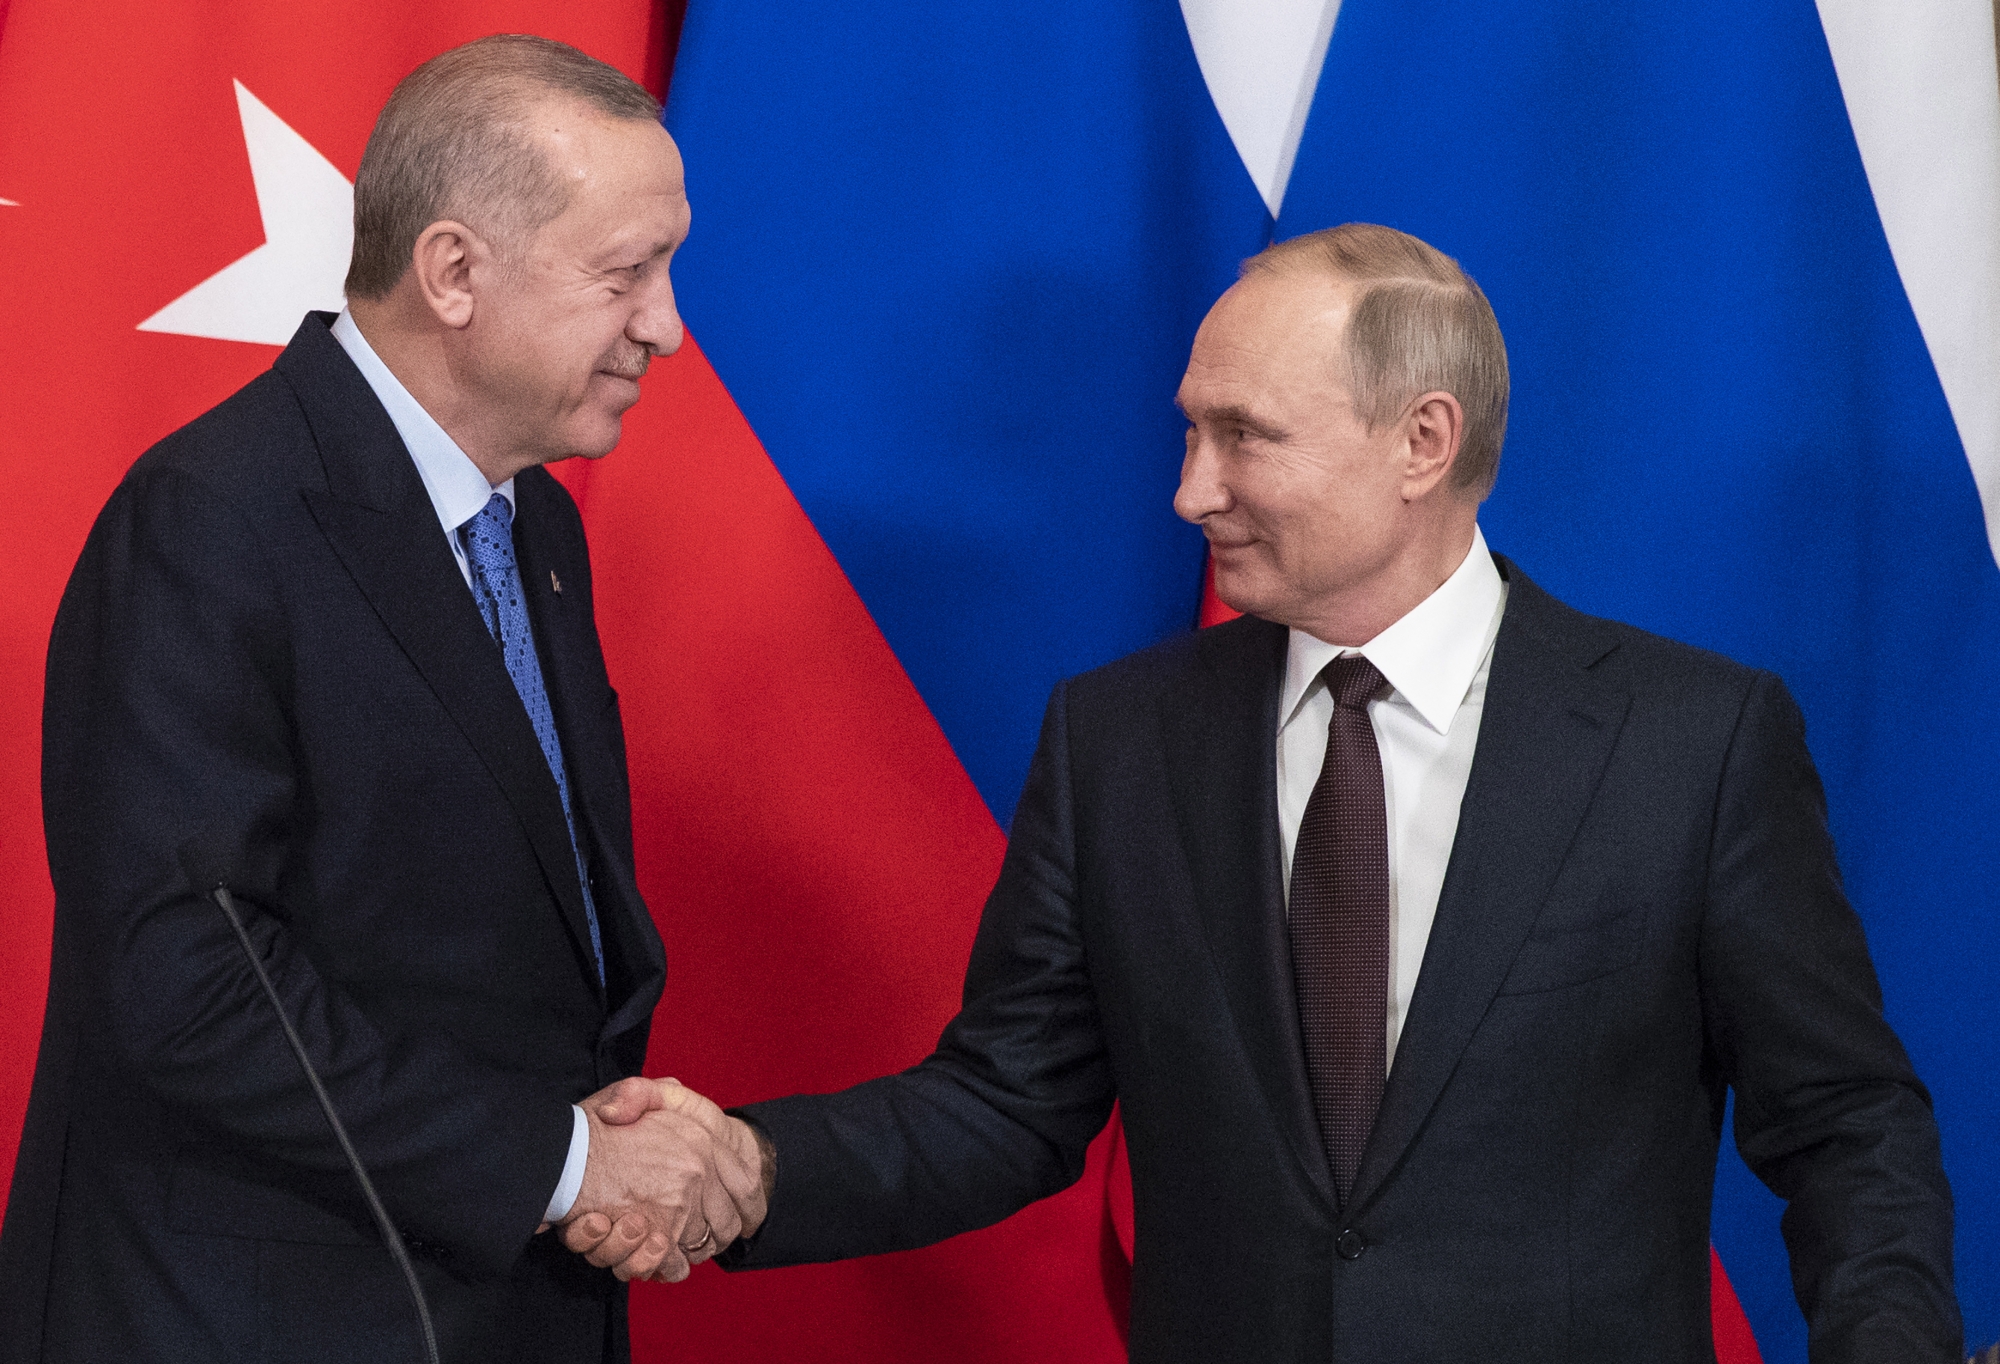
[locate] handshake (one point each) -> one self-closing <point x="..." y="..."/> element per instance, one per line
<point x="670" y="1181"/>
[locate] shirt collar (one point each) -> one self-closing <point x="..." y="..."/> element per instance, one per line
<point x="1431" y="655"/>
<point x="457" y="489"/>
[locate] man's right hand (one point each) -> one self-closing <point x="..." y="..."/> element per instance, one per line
<point x="670" y="1181"/>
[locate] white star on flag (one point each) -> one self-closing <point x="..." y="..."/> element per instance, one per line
<point x="308" y="210"/>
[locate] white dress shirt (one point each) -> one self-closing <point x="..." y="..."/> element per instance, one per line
<point x="458" y="492"/>
<point x="1436" y="658"/>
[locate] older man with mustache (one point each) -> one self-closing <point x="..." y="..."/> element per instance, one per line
<point x="338" y="631"/>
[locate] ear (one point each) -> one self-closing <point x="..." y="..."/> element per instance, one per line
<point x="1433" y="430"/>
<point x="441" y="263"/>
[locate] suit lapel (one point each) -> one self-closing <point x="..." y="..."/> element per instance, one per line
<point x="380" y="522"/>
<point x="1220" y="729"/>
<point x="555" y="574"/>
<point x="1546" y="734"/>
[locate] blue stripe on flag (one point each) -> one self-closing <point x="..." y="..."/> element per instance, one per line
<point x="949" y="260"/>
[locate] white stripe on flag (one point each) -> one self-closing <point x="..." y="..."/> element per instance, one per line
<point x="1261" y="61"/>
<point x="1923" y="93"/>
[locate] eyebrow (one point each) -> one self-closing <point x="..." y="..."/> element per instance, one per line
<point x="622" y="257"/>
<point x="1235" y="414"/>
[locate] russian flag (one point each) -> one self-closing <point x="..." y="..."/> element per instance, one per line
<point x="947" y="262"/>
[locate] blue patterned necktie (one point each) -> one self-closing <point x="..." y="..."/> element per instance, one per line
<point x="496" y="585"/>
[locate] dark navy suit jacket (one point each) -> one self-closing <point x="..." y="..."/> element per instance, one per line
<point x="1641" y="910"/>
<point x="266" y="645"/>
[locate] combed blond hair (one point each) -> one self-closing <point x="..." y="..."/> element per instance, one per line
<point x="453" y="143"/>
<point x="1419" y="325"/>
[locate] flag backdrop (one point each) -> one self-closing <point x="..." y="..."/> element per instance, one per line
<point x="931" y="267"/>
<point x="1729" y="428"/>
<point x="916" y="465"/>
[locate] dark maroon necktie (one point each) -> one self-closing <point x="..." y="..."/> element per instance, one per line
<point x="1340" y="924"/>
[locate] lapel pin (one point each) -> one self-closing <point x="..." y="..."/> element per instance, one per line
<point x="555" y="582"/>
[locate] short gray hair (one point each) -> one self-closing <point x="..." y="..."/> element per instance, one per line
<point x="1419" y="325"/>
<point x="452" y="143"/>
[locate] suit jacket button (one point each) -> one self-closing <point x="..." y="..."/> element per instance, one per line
<point x="1349" y="1244"/>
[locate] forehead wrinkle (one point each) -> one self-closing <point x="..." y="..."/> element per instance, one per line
<point x="639" y="244"/>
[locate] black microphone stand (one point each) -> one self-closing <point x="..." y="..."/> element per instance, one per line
<point x="390" y="1236"/>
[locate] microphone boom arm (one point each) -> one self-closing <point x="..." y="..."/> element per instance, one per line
<point x="390" y="1236"/>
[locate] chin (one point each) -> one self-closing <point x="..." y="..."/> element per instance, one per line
<point x="600" y="439"/>
<point x="1238" y="592"/>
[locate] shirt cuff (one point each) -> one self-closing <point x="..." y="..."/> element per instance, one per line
<point x="571" y="1182"/>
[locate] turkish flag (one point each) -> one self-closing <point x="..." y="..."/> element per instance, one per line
<point x="128" y="137"/>
<point x="177" y="180"/>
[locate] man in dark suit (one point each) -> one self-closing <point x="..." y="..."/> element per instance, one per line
<point x="336" y="638"/>
<point x="1418" y="924"/>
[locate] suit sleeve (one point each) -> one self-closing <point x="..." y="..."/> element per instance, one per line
<point x="166" y="720"/>
<point x="1001" y="1113"/>
<point x="1829" y="1112"/>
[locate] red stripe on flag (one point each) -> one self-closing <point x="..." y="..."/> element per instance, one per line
<point x="816" y="858"/>
<point x="663" y="41"/>
<point x="1213" y="610"/>
<point x="1734" y="1343"/>
<point x="1118" y="1235"/>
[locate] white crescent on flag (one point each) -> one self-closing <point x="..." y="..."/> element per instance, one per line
<point x="308" y="210"/>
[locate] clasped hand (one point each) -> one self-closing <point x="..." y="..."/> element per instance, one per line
<point x="670" y="1181"/>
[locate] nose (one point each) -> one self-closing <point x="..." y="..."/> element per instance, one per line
<point x="1202" y="492"/>
<point x="656" y="322"/>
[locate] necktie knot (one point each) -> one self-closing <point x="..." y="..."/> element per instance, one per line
<point x="489" y="536"/>
<point x="1353" y="680"/>
<point x="488" y="539"/>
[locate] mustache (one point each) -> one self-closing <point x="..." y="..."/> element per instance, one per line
<point x="627" y="364"/>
